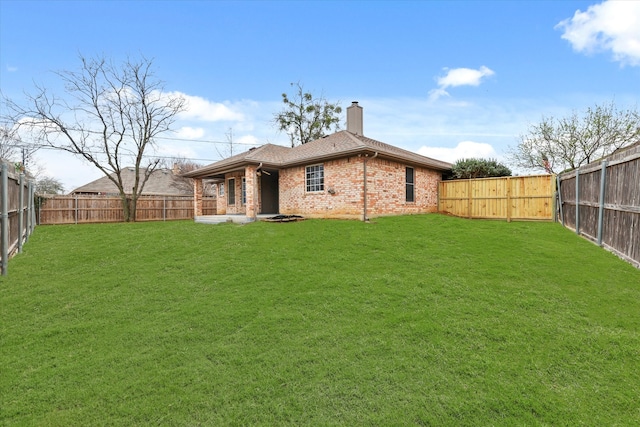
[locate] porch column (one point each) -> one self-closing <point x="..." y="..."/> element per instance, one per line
<point x="251" y="180"/>
<point x="197" y="197"/>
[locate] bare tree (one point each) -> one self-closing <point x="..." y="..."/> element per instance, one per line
<point x="179" y="166"/>
<point x="306" y="118"/>
<point x="555" y="145"/>
<point x="13" y="148"/>
<point x="110" y="117"/>
<point x="49" y="185"/>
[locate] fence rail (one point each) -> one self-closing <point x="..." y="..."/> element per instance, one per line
<point x="508" y="198"/>
<point x="16" y="212"/>
<point x="92" y="209"/>
<point x="602" y="203"/>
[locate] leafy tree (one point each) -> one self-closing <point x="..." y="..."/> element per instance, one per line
<point x="110" y="117"/>
<point x="479" y="168"/>
<point x="49" y="185"/>
<point x="306" y="118"/>
<point x="557" y="144"/>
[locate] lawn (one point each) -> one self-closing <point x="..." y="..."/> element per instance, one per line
<point x="415" y="320"/>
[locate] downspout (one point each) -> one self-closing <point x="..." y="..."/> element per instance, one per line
<point x="364" y="211"/>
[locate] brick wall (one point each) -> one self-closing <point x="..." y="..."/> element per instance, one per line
<point x="343" y="193"/>
<point x="386" y="185"/>
<point x="224" y="208"/>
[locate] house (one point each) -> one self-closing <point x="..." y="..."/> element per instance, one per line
<point x="343" y="175"/>
<point x="162" y="182"/>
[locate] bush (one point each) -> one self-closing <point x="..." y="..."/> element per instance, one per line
<point x="479" y="168"/>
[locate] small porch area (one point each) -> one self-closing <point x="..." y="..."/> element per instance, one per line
<point x="232" y="218"/>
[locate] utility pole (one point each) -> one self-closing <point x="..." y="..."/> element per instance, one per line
<point x="230" y="139"/>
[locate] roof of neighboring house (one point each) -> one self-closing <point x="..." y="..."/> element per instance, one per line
<point x="337" y="145"/>
<point x="162" y="182"/>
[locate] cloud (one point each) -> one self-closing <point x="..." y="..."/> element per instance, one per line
<point x="459" y="77"/>
<point x="202" y="109"/>
<point x="11" y="69"/>
<point x="464" y="150"/>
<point x="609" y="26"/>
<point x="187" y="132"/>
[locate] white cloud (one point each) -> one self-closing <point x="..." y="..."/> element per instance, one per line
<point x="464" y="150"/>
<point x="609" y="26"/>
<point x="187" y="132"/>
<point x="198" y="108"/>
<point x="247" y="139"/>
<point x="11" y="69"/>
<point x="459" y="77"/>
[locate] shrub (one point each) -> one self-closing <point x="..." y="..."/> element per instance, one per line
<point x="479" y="168"/>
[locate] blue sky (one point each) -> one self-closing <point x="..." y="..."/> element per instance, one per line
<point x="447" y="79"/>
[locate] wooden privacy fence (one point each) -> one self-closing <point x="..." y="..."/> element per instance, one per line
<point x="16" y="212"/>
<point x="90" y="209"/>
<point x="601" y="201"/>
<point x="509" y="198"/>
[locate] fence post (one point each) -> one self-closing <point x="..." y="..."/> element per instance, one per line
<point x="164" y="208"/>
<point x="4" y="218"/>
<point x="21" y="213"/>
<point x="558" y="183"/>
<point x="31" y="221"/>
<point x="603" y="181"/>
<point x="578" y="201"/>
<point x="508" y="199"/>
<point x="76" y="208"/>
<point x="469" y="196"/>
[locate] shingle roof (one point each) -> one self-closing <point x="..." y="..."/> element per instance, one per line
<point x="339" y="144"/>
<point x="162" y="182"/>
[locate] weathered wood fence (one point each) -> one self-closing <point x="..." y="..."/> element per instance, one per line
<point x="601" y="201"/>
<point x="508" y="198"/>
<point x="16" y="212"/>
<point x="91" y="209"/>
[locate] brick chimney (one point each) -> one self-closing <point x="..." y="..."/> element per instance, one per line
<point x="354" y="118"/>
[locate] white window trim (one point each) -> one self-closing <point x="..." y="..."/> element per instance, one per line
<point x="306" y="179"/>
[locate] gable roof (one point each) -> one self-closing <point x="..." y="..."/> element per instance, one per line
<point x="162" y="182"/>
<point x="337" y="145"/>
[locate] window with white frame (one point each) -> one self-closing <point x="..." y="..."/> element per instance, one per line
<point x="314" y="178"/>
<point x="410" y="184"/>
<point x="244" y="191"/>
<point x="231" y="192"/>
<point x="221" y="189"/>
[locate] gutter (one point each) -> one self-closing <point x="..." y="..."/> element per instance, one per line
<point x="364" y="210"/>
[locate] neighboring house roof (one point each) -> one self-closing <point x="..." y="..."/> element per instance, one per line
<point x="162" y="182"/>
<point x="337" y="145"/>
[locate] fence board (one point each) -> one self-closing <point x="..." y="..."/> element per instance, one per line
<point x="16" y="212"/>
<point x="510" y="198"/>
<point x="614" y="224"/>
<point x="93" y="209"/>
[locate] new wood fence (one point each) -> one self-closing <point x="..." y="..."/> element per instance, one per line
<point x="16" y="212"/>
<point x="508" y="198"/>
<point x="92" y="209"/>
<point x="602" y="203"/>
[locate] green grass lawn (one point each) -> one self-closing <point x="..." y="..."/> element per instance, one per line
<point x="416" y="320"/>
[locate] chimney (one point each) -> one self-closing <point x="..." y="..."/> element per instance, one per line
<point x="354" y="118"/>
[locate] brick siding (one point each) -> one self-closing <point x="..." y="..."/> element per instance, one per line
<point x="343" y="195"/>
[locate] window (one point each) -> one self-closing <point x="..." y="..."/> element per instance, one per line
<point x="244" y="191"/>
<point x="221" y="189"/>
<point x="231" y="193"/>
<point x="409" y="185"/>
<point x="315" y="178"/>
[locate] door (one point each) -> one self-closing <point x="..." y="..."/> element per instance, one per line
<point x="269" y="192"/>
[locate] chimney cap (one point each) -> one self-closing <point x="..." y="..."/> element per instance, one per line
<point x="354" y="102"/>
